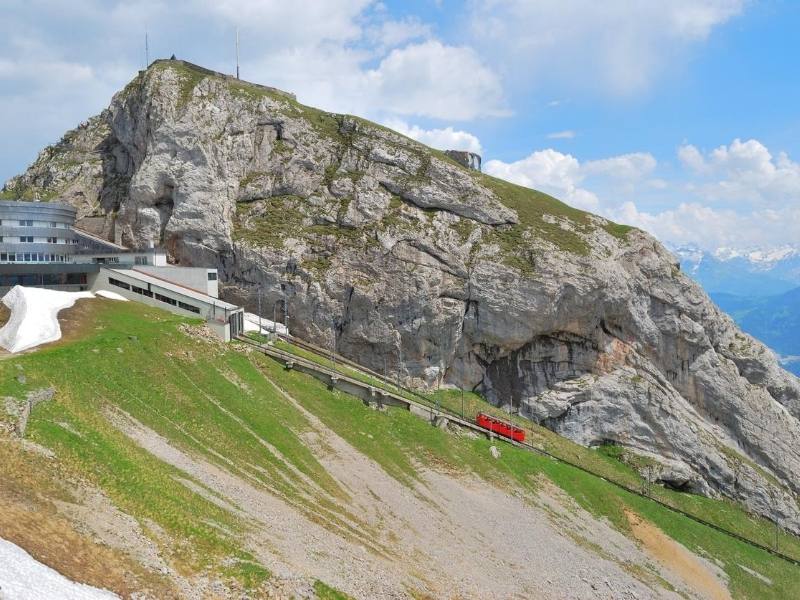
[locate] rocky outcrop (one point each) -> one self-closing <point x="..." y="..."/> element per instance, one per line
<point x="438" y="272"/>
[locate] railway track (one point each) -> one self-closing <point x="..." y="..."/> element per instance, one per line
<point x="426" y="405"/>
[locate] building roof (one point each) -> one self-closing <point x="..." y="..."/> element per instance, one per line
<point x="98" y="240"/>
<point x="175" y="288"/>
<point x="27" y="204"/>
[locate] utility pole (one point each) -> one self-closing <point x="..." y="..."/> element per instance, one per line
<point x="333" y="354"/>
<point x="462" y="402"/>
<point x="259" y="310"/>
<point x="776" y="534"/>
<point x="274" y="317"/>
<point x="286" y="314"/>
<point x="237" y="53"/>
<point x="400" y="360"/>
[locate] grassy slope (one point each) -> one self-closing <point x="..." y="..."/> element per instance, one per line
<point x="211" y="399"/>
<point x="614" y="463"/>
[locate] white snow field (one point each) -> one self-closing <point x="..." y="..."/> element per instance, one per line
<point x="110" y="295"/>
<point x="22" y="577"/>
<point x="267" y="326"/>
<point x="34" y="316"/>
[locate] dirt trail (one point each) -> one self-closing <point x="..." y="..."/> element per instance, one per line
<point x="698" y="574"/>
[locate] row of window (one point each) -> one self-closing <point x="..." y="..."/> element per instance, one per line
<point x="31" y="279"/>
<point x="156" y="295"/>
<point x="29" y="239"/>
<point x="31" y="223"/>
<point x="32" y="257"/>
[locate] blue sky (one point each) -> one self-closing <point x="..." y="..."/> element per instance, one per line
<point x="680" y="117"/>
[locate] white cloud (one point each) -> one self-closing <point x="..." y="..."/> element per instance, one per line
<point x="736" y="195"/>
<point x="628" y="167"/>
<point x="561" y="135"/>
<point x="298" y="21"/>
<point x="443" y="139"/>
<point x="549" y="171"/>
<point x="711" y="228"/>
<point x="744" y="172"/>
<point x="563" y="176"/>
<point x="390" y="34"/>
<point x="616" y="44"/>
<point x="436" y="80"/>
<point x="426" y="79"/>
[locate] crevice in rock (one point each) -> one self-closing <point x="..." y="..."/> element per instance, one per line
<point x="165" y="204"/>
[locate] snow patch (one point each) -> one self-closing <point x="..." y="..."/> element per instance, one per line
<point x="251" y="323"/>
<point x="22" y="577"/>
<point x="34" y="316"/>
<point x="111" y="295"/>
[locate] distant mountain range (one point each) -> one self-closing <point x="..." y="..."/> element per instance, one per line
<point x="759" y="288"/>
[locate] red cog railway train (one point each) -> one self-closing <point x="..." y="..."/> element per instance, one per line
<point x="500" y="427"/>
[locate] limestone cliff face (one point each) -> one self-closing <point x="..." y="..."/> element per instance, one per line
<point x="438" y="272"/>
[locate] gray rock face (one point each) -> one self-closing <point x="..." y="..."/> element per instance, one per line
<point x="437" y="273"/>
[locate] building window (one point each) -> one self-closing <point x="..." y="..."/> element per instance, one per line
<point x="212" y="276"/>
<point x="52" y="240"/>
<point x="26" y="239"/>
<point x="53" y="224"/>
<point x="166" y="299"/>
<point x="189" y="307"/>
<point x="140" y="260"/>
<point x="25" y="223"/>
<point x="118" y="283"/>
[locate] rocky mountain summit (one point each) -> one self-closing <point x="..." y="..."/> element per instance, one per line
<point x="408" y="261"/>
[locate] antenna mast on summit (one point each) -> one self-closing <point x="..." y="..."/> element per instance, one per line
<point x="146" y="50"/>
<point x="237" y="53"/>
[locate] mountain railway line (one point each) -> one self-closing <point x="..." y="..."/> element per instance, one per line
<point x="440" y="416"/>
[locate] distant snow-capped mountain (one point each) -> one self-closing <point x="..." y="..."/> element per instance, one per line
<point x="748" y="272"/>
<point x="758" y="287"/>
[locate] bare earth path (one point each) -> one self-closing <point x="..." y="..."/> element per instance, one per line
<point x="695" y="571"/>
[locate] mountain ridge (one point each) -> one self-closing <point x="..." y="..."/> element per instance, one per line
<point x="403" y="259"/>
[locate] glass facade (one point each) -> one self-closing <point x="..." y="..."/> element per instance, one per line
<point x="36" y="232"/>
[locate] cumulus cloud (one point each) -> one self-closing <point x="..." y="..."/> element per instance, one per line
<point x="737" y="195"/>
<point x="549" y="171"/>
<point x="711" y="228"/>
<point x="627" y="167"/>
<point x="296" y="22"/>
<point x="443" y="139"/>
<point x="436" y="80"/>
<point x="564" y="176"/>
<point x="617" y="44"/>
<point x="745" y="172"/>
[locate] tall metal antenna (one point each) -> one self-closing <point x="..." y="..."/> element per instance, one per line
<point x="146" y="50"/>
<point x="237" y="53"/>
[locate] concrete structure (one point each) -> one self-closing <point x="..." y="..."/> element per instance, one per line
<point x="40" y="247"/>
<point x="468" y="159"/>
<point x="227" y="320"/>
